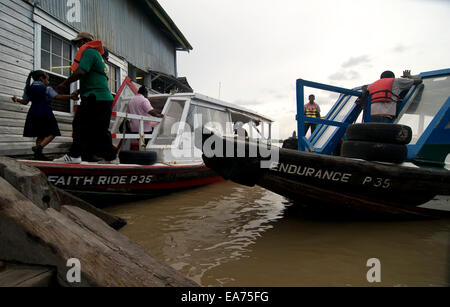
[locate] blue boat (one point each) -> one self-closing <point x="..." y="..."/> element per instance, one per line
<point x="349" y="162"/>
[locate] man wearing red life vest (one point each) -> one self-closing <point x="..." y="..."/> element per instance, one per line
<point x="386" y="94"/>
<point x="92" y="119"/>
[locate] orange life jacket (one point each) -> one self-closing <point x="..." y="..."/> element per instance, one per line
<point x="381" y="90"/>
<point x="97" y="45"/>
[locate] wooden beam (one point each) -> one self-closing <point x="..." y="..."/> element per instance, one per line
<point x="19" y="275"/>
<point x="29" y="234"/>
<point x="34" y="185"/>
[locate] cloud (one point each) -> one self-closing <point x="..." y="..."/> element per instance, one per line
<point x="399" y="48"/>
<point x="345" y="75"/>
<point x="275" y="94"/>
<point x="255" y="102"/>
<point x="334" y="96"/>
<point x="355" y="61"/>
<point x="341" y="75"/>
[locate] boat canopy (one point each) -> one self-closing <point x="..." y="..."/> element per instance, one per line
<point x="183" y="114"/>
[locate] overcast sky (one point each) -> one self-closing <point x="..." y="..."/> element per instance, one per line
<point x="257" y="49"/>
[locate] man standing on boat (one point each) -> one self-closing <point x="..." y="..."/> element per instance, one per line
<point x="92" y="119"/>
<point x="140" y="105"/>
<point x="387" y="93"/>
<point x="312" y="109"/>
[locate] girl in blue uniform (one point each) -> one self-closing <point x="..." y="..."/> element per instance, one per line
<point x="41" y="122"/>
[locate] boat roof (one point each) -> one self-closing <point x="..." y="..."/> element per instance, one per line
<point x="217" y="102"/>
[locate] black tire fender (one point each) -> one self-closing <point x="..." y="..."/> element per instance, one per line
<point x="138" y="157"/>
<point x="371" y="151"/>
<point x="380" y="132"/>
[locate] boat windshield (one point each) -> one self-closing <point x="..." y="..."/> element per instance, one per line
<point x="122" y="100"/>
<point x="425" y="103"/>
<point x="214" y="120"/>
<point x="172" y="117"/>
<point x="339" y="114"/>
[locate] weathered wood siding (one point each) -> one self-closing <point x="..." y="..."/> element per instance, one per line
<point x="124" y="26"/>
<point x="16" y="46"/>
<point x="16" y="61"/>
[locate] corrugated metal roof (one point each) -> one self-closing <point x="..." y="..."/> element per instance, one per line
<point x="169" y="25"/>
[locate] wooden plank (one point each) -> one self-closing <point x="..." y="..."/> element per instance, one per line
<point x="10" y="131"/>
<point x="11" y="126"/>
<point x="14" y="106"/>
<point x="27" y="276"/>
<point x="17" y="12"/>
<point x="15" y="60"/>
<point x="13" y="29"/>
<point x="14" y="40"/>
<point x="12" y="84"/>
<point x="16" y="139"/>
<point x="20" y="25"/>
<point x="28" y="145"/>
<point x="108" y="259"/>
<point x="68" y="199"/>
<point x="13" y="123"/>
<point x="4" y="74"/>
<point x="21" y="139"/>
<point x="23" y="3"/>
<point x="6" y="104"/>
<point x="13" y="68"/>
<point x="19" y="9"/>
<point x="34" y="185"/>
<point x="27" y="48"/>
<point x="27" y="151"/>
<point x="12" y="115"/>
<point x="11" y="110"/>
<point x="18" y="130"/>
<point x="6" y="91"/>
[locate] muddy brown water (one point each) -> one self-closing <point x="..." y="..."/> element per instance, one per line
<point x="229" y="235"/>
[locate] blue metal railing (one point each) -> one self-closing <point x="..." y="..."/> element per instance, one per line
<point x="438" y="131"/>
<point x="303" y="143"/>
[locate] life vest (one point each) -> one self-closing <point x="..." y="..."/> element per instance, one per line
<point x="97" y="45"/>
<point x="381" y="90"/>
<point x="311" y="110"/>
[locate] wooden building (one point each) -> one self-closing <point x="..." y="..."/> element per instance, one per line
<point x="35" y="34"/>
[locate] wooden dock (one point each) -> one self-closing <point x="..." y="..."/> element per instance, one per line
<point x="39" y="227"/>
<point x="17" y="275"/>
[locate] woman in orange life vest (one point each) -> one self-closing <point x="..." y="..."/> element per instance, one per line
<point x="91" y="123"/>
<point x="312" y="109"/>
<point x="387" y="93"/>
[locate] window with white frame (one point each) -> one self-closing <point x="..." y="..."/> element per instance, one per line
<point x="113" y="77"/>
<point x="56" y="54"/>
<point x="56" y="59"/>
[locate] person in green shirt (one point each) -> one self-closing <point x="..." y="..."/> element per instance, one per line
<point x="92" y="119"/>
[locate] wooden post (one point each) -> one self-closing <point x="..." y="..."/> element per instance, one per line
<point x="34" y="185"/>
